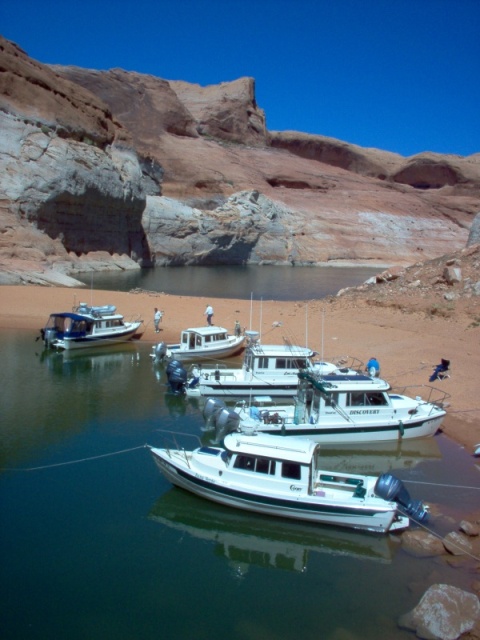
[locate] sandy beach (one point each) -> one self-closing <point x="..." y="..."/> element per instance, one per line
<point x="407" y="345"/>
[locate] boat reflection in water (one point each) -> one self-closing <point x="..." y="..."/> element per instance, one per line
<point x="97" y="360"/>
<point x="246" y="539"/>
<point x="377" y="458"/>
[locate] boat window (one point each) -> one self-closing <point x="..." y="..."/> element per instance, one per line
<point x="356" y="399"/>
<point x="199" y="341"/>
<point x="265" y="466"/>
<point x="331" y="400"/>
<point x="244" y="462"/>
<point x="377" y="399"/>
<point x="263" y="363"/>
<point x="290" y="363"/>
<point x="208" y="338"/>
<point x="185" y="338"/>
<point x="291" y="470"/>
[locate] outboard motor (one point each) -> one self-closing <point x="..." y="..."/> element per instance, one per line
<point x="177" y="377"/>
<point x="392" y="489"/>
<point x="160" y="351"/>
<point x="49" y="336"/>
<point x="210" y="410"/>
<point x="226" y="421"/>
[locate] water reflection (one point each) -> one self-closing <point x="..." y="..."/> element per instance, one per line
<point x="247" y="539"/>
<point x="377" y="458"/>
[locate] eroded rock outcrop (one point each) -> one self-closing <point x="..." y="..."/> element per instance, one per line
<point x="247" y="227"/>
<point x="70" y="185"/>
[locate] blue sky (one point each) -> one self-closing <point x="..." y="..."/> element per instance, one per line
<point x="398" y="75"/>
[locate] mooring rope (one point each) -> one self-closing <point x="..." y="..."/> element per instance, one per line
<point x="439" y="484"/>
<point x="63" y="464"/>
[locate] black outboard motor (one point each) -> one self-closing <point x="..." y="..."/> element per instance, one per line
<point x="176" y="376"/>
<point x="391" y="488"/>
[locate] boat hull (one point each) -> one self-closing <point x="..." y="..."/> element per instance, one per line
<point x="309" y="509"/>
<point x="90" y="341"/>
<point x="351" y="433"/>
<point x="175" y="352"/>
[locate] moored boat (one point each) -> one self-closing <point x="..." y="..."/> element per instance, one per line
<point x="200" y="342"/>
<point x="270" y="369"/>
<point x="281" y="477"/>
<point x="340" y="409"/>
<point x="87" y="327"/>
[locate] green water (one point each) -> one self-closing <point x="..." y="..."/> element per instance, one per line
<point x="104" y="548"/>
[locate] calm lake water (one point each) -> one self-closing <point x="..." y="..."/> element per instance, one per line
<point x="96" y="544"/>
<point x="267" y="282"/>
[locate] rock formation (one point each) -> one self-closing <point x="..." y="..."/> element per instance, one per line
<point x="120" y="167"/>
<point x="444" y="613"/>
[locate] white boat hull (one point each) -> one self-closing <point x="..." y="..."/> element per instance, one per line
<point x="350" y="433"/>
<point x="176" y="352"/>
<point x="98" y="340"/>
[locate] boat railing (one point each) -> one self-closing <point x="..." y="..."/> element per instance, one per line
<point x="172" y="442"/>
<point x="344" y="363"/>
<point x="424" y="393"/>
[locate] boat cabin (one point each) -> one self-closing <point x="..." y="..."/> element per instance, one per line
<point x="293" y="461"/>
<point x="202" y="337"/>
<point x="342" y="395"/>
<point x="274" y="359"/>
<point x="74" y="325"/>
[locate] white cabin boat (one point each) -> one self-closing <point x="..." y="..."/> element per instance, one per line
<point x="200" y="342"/>
<point x="87" y="327"/>
<point x="339" y="409"/>
<point x="267" y="369"/>
<point x="279" y="476"/>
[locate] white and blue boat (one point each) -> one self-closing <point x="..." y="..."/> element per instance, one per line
<point x="86" y="327"/>
<point x="280" y="476"/>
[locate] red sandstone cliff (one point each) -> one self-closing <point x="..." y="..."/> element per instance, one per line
<point x="100" y="164"/>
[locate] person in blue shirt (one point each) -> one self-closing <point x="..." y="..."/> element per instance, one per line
<point x="373" y="368"/>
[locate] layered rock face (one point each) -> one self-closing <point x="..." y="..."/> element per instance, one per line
<point x="100" y="164"/>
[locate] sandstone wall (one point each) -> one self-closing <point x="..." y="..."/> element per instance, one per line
<point x="116" y="168"/>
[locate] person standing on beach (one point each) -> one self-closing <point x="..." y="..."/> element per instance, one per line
<point x="157" y="318"/>
<point x="209" y="313"/>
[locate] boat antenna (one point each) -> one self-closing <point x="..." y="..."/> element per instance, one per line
<point x="251" y="309"/>
<point x="306" y="325"/>
<point x="261" y="316"/>
<point x="323" y="328"/>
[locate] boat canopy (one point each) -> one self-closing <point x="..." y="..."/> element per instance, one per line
<point x="293" y="449"/>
